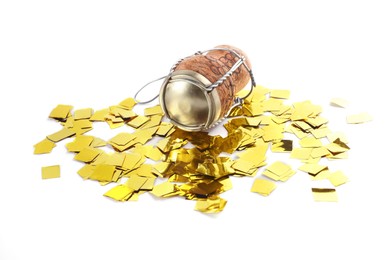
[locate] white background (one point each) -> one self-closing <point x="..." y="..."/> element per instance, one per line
<point x="96" y="53"/>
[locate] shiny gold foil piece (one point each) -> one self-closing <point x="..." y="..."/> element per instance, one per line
<point x="119" y="192"/>
<point x="212" y="205"/>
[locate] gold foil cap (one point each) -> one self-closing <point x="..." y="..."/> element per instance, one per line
<point x="187" y="103"/>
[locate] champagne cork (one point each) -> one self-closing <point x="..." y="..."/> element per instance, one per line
<point x="201" y="89"/>
<point x="213" y="66"/>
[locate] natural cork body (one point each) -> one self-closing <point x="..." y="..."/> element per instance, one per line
<point x="213" y="66"/>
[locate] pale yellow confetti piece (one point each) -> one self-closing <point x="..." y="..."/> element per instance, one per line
<point x="119" y="192"/>
<point x="284" y="94"/>
<point x="279" y="167"/>
<point x="338" y="178"/>
<point x="115" y="159"/>
<point x="61" y="112"/>
<point x="82" y="124"/>
<point x="126" y="114"/>
<point x="301" y="153"/>
<point x="138" y="121"/>
<point x="319" y="152"/>
<point x="128" y="103"/>
<point x="87" y="154"/>
<point x="50" y="172"/>
<point x="263" y="187"/>
<point x="155" y="121"/>
<point x="321" y="175"/>
<point x="279" y="171"/>
<point x="99" y="115"/>
<point x="320" y="132"/>
<point x="98" y="142"/>
<point x="337" y="147"/>
<point x="156" y="110"/>
<point x="310" y="142"/>
<point x="164" y="129"/>
<point x="210" y="205"/>
<point x="337" y="135"/>
<point x="44" y="146"/>
<point x="359" y="118"/>
<point x="155" y="154"/>
<point x="84" y="113"/>
<point x="161" y="168"/>
<point x="80" y="142"/>
<point x="339" y="102"/>
<point x="60" y="135"/>
<point x="243" y="166"/>
<point x="122" y="138"/>
<point x="313" y="168"/>
<point x="324" y="195"/>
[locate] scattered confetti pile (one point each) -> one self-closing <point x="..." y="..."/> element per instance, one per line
<point x="196" y="165"/>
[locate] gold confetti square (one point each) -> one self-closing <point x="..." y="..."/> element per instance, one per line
<point x="324" y="195"/>
<point x="263" y="187"/>
<point x="50" y="172"/>
<point x="44" y="146"/>
<point x="337" y="178"/>
<point x="359" y="118"/>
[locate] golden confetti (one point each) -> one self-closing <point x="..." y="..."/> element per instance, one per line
<point x="61" y="112"/>
<point x="83" y="113"/>
<point x="44" y="146"/>
<point x="337" y="178"/>
<point x="279" y="171"/>
<point x="313" y="168"/>
<point x="359" y="118"/>
<point x="138" y="121"/>
<point x="197" y="165"/>
<point x="50" y="172"/>
<point x="324" y="195"/>
<point x="60" y="135"/>
<point x="263" y="187"/>
<point x="119" y="192"/>
<point x="212" y="205"/>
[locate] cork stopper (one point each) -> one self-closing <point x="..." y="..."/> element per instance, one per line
<point x="213" y="66"/>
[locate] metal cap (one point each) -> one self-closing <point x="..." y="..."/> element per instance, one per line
<point x="187" y="103"/>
